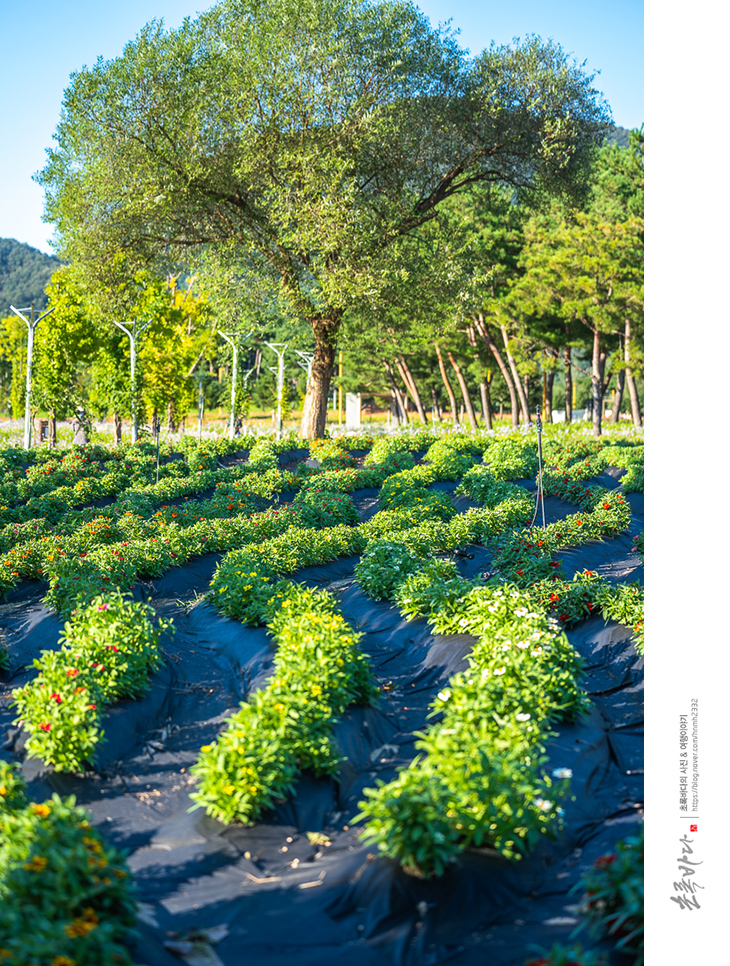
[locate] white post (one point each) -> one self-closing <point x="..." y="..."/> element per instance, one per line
<point x="133" y="334"/>
<point x="32" y="322"/>
<point x="234" y="380"/>
<point x="201" y="404"/>
<point x="279" y="370"/>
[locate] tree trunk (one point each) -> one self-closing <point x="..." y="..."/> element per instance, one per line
<point x="410" y="384"/>
<point x="631" y="382"/>
<point x="597" y="383"/>
<point x="171" y="427"/>
<point x="449" y="390"/>
<point x="524" y="405"/>
<point x="503" y="368"/>
<point x="618" y="397"/>
<point x="117" y="429"/>
<point x="464" y="392"/>
<point x="52" y="428"/>
<point x="568" y="386"/>
<point x="401" y="408"/>
<point x="314" y="411"/>
<point x="436" y="407"/>
<point x="486" y="403"/>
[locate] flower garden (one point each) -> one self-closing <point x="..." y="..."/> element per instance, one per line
<point x="351" y="701"/>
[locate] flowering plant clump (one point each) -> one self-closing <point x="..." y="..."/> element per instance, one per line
<point x="613" y="897"/>
<point x="482" y="780"/>
<point x="243" y="581"/>
<point x="569" y="601"/>
<point x="481" y="485"/>
<point x="386" y="564"/>
<point x="639" y="544"/>
<point x="65" y="896"/>
<point x="437" y="587"/>
<point x="624" y="603"/>
<point x="511" y="458"/>
<point x="331" y="454"/>
<point x="633" y="480"/>
<point x="108" y="651"/>
<point x="318" y="507"/>
<point x="286" y="728"/>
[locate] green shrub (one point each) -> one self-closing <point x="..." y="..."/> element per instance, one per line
<point x="287" y="727"/>
<point x="65" y="896"/>
<point x="613" y="897"/>
<point x="109" y="649"/>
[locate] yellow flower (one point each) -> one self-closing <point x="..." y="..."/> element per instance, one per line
<point x="228" y="789"/>
<point x="316" y="690"/>
<point x="37" y="863"/>
<point x="3" y="791"/>
<point x="42" y="810"/>
<point x="63" y="961"/>
<point x="207" y="748"/>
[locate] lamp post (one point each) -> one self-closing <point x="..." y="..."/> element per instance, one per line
<point x="133" y="335"/>
<point x="31" y="322"/>
<point x="279" y="348"/>
<point x="231" y="339"/>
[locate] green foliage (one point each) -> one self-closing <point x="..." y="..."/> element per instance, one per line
<point x="109" y="649"/>
<point x="384" y="565"/>
<point x="318" y="508"/>
<point x="613" y="897"/>
<point x="65" y="896"/>
<point x="286" y="728"/>
<point x="482" y="779"/>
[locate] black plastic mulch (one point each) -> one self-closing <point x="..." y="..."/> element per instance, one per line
<point x="283" y="898"/>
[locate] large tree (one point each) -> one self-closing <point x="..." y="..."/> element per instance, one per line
<point x="311" y="137"/>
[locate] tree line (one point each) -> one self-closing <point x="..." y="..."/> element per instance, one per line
<point x="342" y="175"/>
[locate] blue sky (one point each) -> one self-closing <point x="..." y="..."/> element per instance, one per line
<point x="45" y="40"/>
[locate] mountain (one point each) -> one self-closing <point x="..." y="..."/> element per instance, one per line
<point x="24" y="274"/>
<point x="619" y="135"/>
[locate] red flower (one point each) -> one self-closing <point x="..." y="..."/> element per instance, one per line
<point x="56" y="697"/>
<point x="45" y="726"/>
<point x="606" y="506"/>
<point x="71" y="673"/>
<point x="603" y="860"/>
<point x="92" y="706"/>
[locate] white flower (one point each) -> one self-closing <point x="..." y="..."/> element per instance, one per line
<point x="524" y="716"/>
<point x="562" y="773"/>
<point x="521" y="612"/>
<point x="543" y="804"/>
<point x="444" y="695"/>
<point x="522" y="644"/>
<point x="500" y="670"/>
<point x="506" y="646"/>
<point x="463" y="622"/>
<point x="538" y="650"/>
<point x="485" y="673"/>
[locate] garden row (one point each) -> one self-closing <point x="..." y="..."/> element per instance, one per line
<point x="494" y="718"/>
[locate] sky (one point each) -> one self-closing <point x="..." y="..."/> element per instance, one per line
<point x="46" y="40"/>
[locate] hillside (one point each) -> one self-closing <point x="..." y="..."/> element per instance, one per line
<point x="24" y="274"/>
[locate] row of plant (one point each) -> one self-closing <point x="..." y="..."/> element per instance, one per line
<point x="481" y="777"/>
<point x="286" y="727"/>
<point x="109" y="648"/>
<point x="151" y="542"/>
<point x="66" y="897"/>
<point x="476" y="784"/>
